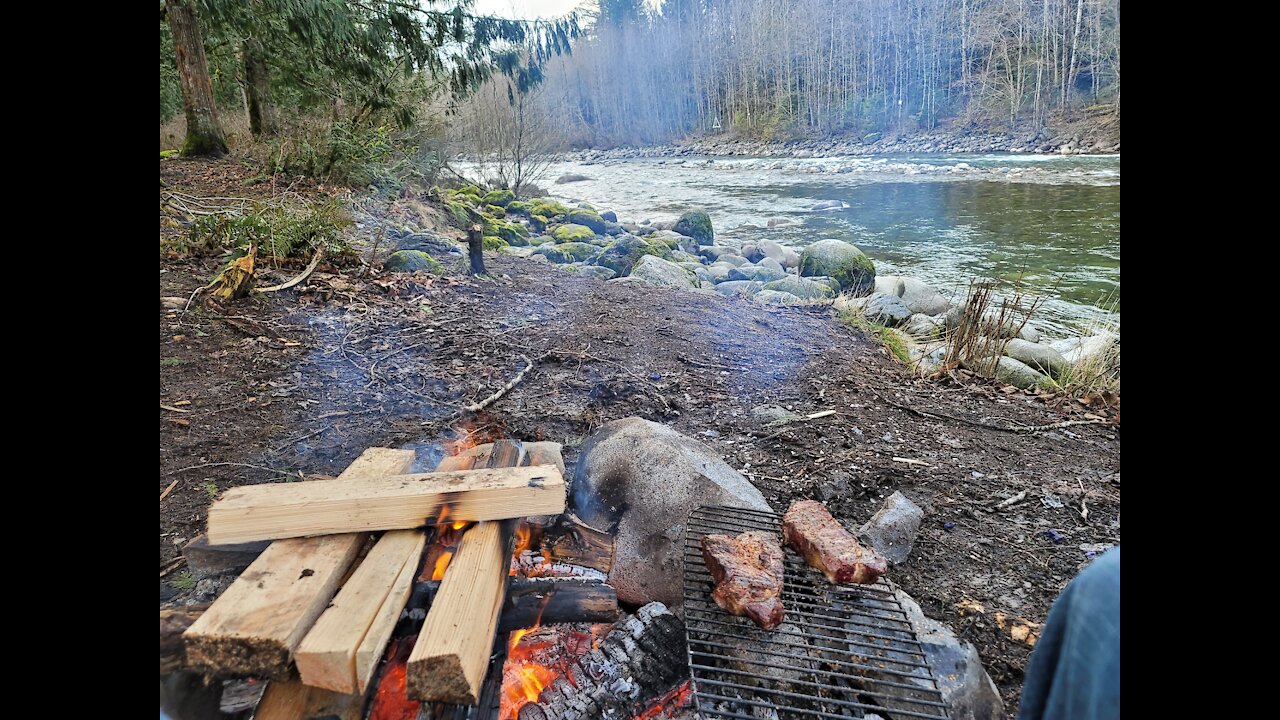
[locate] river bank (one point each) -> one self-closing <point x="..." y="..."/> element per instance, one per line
<point x="1089" y="136"/>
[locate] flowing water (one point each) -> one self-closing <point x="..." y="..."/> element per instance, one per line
<point x="1050" y="222"/>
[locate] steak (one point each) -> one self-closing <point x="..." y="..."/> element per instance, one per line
<point x="809" y="528"/>
<point x="747" y="570"/>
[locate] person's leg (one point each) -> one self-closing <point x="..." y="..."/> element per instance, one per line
<point x="1075" y="669"/>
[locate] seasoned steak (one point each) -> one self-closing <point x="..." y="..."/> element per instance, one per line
<point x="809" y="528"/>
<point x="747" y="570"/>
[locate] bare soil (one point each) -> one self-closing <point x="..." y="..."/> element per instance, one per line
<point x="300" y="382"/>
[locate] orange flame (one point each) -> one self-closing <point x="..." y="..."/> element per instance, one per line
<point x="442" y="563"/>
<point x="459" y="525"/>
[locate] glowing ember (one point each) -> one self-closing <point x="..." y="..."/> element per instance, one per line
<point x="459" y="525"/>
<point x="442" y="563"/>
<point x="391" y="700"/>
<point x="678" y="698"/>
<point x="537" y="656"/>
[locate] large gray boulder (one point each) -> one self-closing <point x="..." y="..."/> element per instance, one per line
<point x="892" y="530"/>
<point x="770" y="263"/>
<point x="838" y="259"/>
<point x="739" y="287"/>
<point x="734" y="260"/>
<point x="697" y="225"/>
<point x="1018" y="374"/>
<point x="1041" y="357"/>
<point x="774" y="297"/>
<point x="656" y="272"/>
<point x="1086" y="349"/>
<point x="924" y="327"/>
<point x="771" y="249"/>
<point x="886" y="309"/>
<point x="713" y="252"/>
<point x="801" y="287"/>
<point x="758" y="273"/>
<point x="638" y="480"/>
<point x="915" y="294"/>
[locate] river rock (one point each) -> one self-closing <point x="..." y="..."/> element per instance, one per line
<point x="718" y="272"/>
<point x="845" y="303"/>
<point x="739" y="287"/>
<point x="886" y="309"/>
<point x="1041" y="357"/>
<point x="696" y="268"/>
<point x="627" y="250"/>
<point x="771" y="249"/>
<point x="411" y="261"/>
<point x="734" y="260"/>
<point x="570" y="178"/>
<point x="828" y="281"/>
<point x="781" y="222"/>
<point x="656" y="272"/>
<point x="610" y="216"/>
<point x="433" y="245"/>
<point x="966" y="687"/>
<point x="838" y="259"/>
<point x="597" y="271"/>
<point x="774" y="297"/>
<point x="892" y="530"/>
<point x="567" y="252"/>
<point x="674" y="240"/>
<point x="713" y="252"/>
<point x="638" y="480"/>
<point x="757" y="272"/>
<point x="801" y="287"/>
<point x="1030" y="333"/>
<point x="925" y="327"/>
<point x="916" y="295"/>
<point x="1018" y="374"/>
<point x="1087" y="349"/>
<point x="752" y="252"/>
<point x="697" y="225"/>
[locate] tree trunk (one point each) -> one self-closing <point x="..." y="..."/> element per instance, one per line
<point x="204" y="133"/>
<point x="475" y="249"/>
<point x="257" y="81"/>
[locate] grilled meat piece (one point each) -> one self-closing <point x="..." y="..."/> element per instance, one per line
<point x="809" y="528"/>
<point x="747" y="570"/>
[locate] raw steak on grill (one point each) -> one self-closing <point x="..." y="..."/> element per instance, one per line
<point x="747" y="570"/>
<point x="809" y="528"/>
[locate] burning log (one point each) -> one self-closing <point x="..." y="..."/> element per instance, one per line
<point x="327" y="656"/>
<point x="254" y="627"/>
<point x="642" y="657"/>
<point x="387" y="502"/>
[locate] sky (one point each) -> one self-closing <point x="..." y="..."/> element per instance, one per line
<point x="526" y="9"/>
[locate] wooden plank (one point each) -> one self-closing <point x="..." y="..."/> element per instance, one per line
<point x="254" y="627"/>
<point x="291" y="700"/>
<point x="205" y="560"/>
<point x="174" y="622"/>
<point x="384" y="622"/>
<point x="327" y="656"/>
<point x="449" y="660"/>
<point x="545" y="453"/>
<point x="397" y="502"/>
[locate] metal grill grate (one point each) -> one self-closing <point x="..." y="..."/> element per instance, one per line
<point x="843" y="651"/>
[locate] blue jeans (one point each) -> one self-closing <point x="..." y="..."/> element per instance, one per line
<point x="1075" y="669"/>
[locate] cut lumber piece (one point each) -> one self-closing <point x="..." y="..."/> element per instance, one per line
<point x="375" y="640"/>
<point x="174" y="622"/>
<point x="289" y="699"/>
<point x="327" y="656"/>
<point x="449" y="660"/>
<point x="545" y="453"/>
<point x="205" y="560"/>
<point x="254" y="627"/>
<point x="398" y="502"/>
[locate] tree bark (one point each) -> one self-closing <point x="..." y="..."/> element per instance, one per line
<point x="257" y="82"/>
<point x="475" y="249"/>
<point x="204" y="133"/>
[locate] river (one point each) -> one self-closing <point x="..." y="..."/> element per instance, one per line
<point x="1048" y="222"/>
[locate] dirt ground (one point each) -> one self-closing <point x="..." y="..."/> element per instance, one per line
<point x="300" y="382"/>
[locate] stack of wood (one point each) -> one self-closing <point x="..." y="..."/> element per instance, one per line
<point x="316" y="618"/>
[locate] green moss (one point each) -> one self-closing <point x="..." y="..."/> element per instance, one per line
<point x="196" y="144"/>
<point x="697" y="225"/>
<point x="548" y="208"/>
<point x="168" y="154"/>
<point x="491" y="242"/>
<point x="499" y="197"/>
<point x="589" y="218"/>
<point x="496" y="210"/>
<point x="458" y="214"/>
<point x="573" y="233"/>
<point x="623" y="255"/>
<point x="888" y="338"/>
<point x="518" y="206"/>
<point x="539" y="222"/>
<point x="471" y="190"/>
<point x="568" y="252"/>
<point x="412" y="261"/>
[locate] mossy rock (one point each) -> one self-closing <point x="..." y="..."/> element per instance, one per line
<point x="458" y="214"/>
<point x="623" y="254"/>
<point x="843" y="262"/>
<point x="568" y="252"/>
<point x="496" y="210"/>
<point x="518" y="206"/>
<point x="513" y="233"/>
<point x="501" y="198"/>
<point x="491" y="242"/>
<point x="573" y="233"/>
<point x="471" y="190"/>
<point x="588" y="218"/>
<point x="697" y="225"/>
<point x="548" y="208"/>
<point x="539" y="222"/>
<point x="412" y="261"/>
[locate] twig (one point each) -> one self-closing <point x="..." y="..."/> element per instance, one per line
<point x="171" y="408"/>
<point x="1020" y="428"/>
<point x="315" y="260"/>
<point x="168" y="490"/>
<point x="910" y="461"/>
<point x="223" y="464"/>
<point x="1011" y="501"/>
<point x="373" y="255"/>
<point x="477" y="407"/>
<point x="174" y="566"/>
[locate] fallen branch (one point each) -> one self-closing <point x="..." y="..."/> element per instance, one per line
<point x="315" y="260"/>
<point x="477" y="407"/>
<point x="1017" y="427"/>
<point x="1011" y="501"/>
<point x="168" y="490"/>
<point x="221" y="464"/>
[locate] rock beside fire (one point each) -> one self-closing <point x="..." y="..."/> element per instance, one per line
<point x="892" y="530"/>
<point x="639" y="480"/>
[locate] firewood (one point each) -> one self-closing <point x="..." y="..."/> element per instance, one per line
<point x="322" y="507"/>
<point x="327" y="656"/>
<point x="289" y="699"/>
<point x="254" y="627"/>
<point x="449" y="660"/>
<point x="174" y="622"/>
